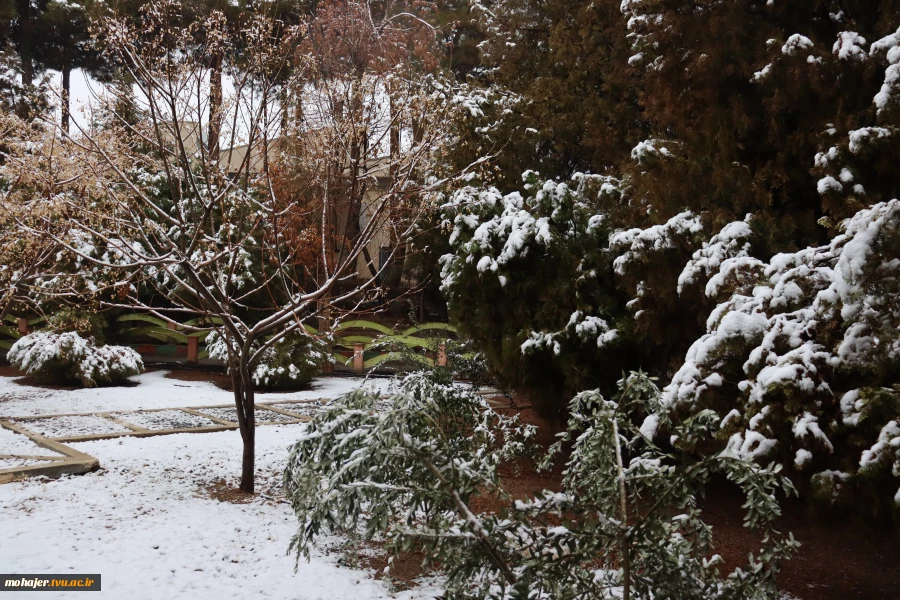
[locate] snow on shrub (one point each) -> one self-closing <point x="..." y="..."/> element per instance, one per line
<point x="802" y="361"/>
<point x="67" y="357"/>
<point x="290" y="363"/>
<point x="544" y="284"/>
<point x="524" y="282"/>
<point x="624" y="526"/>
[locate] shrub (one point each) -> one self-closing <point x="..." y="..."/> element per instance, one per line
<point x="801" y="362"/>
<point x="69" y="358"/>
<point x="626" y="524"/>
<point x="86" y="323"/>
<point x="527" y="280"/>
<point x="290" y="363"/>
<point x="463" y="362"/>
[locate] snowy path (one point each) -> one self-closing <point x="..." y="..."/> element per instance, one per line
<point x="146" y="523"/>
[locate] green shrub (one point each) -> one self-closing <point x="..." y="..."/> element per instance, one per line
<point x="626" y="525"/>
<point x="69" y="358"/>
<point x="87" y="324"/>
<point x="801" y="361"/>
<point x="291" y="363"/>
<point x="528" y="280"/>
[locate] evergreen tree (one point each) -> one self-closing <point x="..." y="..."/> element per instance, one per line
<point x="743" y="95"/>
<point x="717" y="109"/>
<point x="744" y="241"/>
<point x="65" y="44"/>
<point x="412" y="470"/>
<point x="554" y="97"/>
<point x="460" y="37"/>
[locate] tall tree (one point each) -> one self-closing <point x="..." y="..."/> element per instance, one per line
<point x="65" y="44"/>
<point x="175" y="220"/>
<point x="702" y="113"/>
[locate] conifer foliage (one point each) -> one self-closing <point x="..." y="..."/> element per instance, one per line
<point x="531" y="264"/>
<point x="737" y="240"/>
<point x="626" y="524"/>
<point x="800" y="361"/>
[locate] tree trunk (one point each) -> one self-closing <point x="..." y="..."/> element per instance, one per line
<point x="244" y="403"/>
<point x="354" y="195"/>
<point x="357" y="149"/>
<point x="394" y="275"/>
<point x="25" y="34"/>
<point x="298" y="112"/>
<point x="394" y="133"/>
<point x="66" y="86"/>
<point x="27" y="67"/>
<point x="248" y="463"/>
<point x="625" y="542"/>
<point x="248" y="466"/>
<point x="325" y="322"/>
<point x="215" y="106"/>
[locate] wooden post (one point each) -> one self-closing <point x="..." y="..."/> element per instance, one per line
<point x="324" y="317"/>
<point x="193" y="349"/>
<point x="442" y="355"/>
<point x="23" y="326"/>
<point x="358" y="357"/>
<point x="171" y="325"/>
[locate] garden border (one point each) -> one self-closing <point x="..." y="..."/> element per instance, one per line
<point x="74" y="462"/>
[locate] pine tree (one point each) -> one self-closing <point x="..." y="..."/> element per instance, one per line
<point x="65" y="44"/>
<point x="558" y="101"/>
<point x="703" y="111"/>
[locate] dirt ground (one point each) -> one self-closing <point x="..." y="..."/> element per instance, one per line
<point x="220" y="380"/>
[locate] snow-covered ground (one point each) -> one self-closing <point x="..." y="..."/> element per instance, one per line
<point x="154" y="390"/>
<point x="18" y="445"/>
<point x="146" y="522"/>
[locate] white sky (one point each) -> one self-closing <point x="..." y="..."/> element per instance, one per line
<point x="84" y="91"/>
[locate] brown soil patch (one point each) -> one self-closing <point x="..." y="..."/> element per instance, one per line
<point x="222" y="491"/>
<point x="836" y="560"/>
<point x="220" y="380"/>
<point x="8" y="371"/>
<point x="30" y="381"/>
<point x="405" y="569"/>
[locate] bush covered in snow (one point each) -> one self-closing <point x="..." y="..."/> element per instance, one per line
<point x="626" y="525"/>
<point x="528" y="281"/>
<point x="544" y="284"/>
<point x="69" y="358"/>
<point x="290" y="363"/>
<point x="745" y="153"/>
<point x="801" y="362"/>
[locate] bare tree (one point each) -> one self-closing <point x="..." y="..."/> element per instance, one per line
<point x="194" y="231"/>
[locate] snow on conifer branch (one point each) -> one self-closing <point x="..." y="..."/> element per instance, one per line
<point x="803" y="341"/>
<point x="409" y="471"/>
